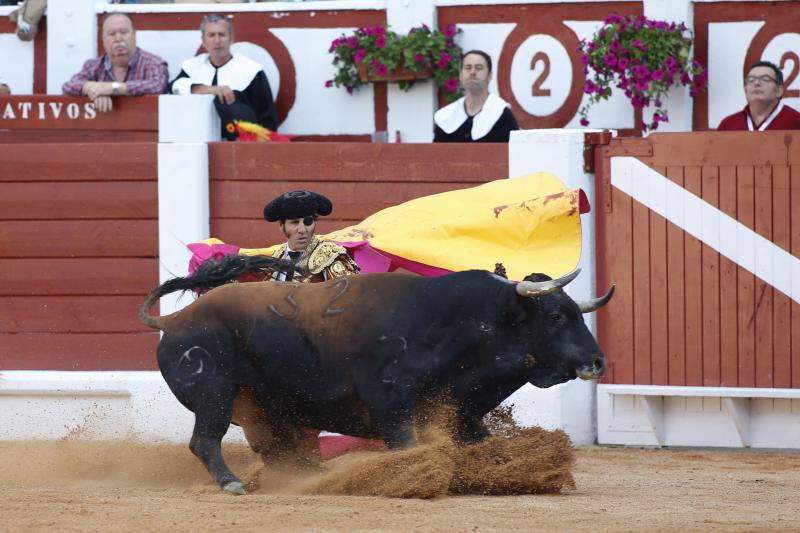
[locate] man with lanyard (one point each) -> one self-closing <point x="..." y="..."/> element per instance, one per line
<point x="478" y="116"/>
<point x="239" y="84"/>
<point x="763" y="88"/>
<point x="297" y="213"/>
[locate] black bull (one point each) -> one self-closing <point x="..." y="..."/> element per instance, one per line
<point x="360" y="355"/>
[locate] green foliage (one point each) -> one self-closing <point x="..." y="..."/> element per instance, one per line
<point x="382" y="51"/>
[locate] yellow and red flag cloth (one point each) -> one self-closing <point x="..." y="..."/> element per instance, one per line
<point x="529" y="224"/>
<point x="250" y="132"/>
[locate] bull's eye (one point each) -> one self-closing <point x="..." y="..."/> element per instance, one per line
<point x="555" y="317"/>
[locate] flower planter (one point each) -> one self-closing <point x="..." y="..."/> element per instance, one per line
<point x="399" y="74"/>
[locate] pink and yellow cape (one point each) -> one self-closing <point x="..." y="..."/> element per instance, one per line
<point x="529" y="224"/>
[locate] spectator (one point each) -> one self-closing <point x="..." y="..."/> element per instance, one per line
<point x="478" y="116"/>
<point x="763" y="89"/>
<point x="4" y="89"/>
<point x="27" y="17"/>
<point x="124" y="69"/>
<point x="239" y="84"/>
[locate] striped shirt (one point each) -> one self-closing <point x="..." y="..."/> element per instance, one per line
<point x="147" y="74"/>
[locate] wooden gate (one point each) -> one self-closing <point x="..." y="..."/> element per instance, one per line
<point x="701" y="234"/>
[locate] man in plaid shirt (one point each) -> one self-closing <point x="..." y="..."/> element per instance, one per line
<point x="124" y="69"/>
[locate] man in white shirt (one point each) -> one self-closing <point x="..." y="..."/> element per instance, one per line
<point x="239" y="84"/>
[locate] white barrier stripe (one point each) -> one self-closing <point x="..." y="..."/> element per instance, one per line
<point x="708" y="224"/>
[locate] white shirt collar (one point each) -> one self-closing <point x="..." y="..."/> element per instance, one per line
<point x="451" y="117"/>
<point x="767" y="121"/>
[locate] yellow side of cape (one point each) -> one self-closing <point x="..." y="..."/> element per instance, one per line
<point x="530" y="224"/>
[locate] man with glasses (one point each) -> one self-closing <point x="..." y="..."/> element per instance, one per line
<point x="763" y="88"/>
<point x="297" y="213"/>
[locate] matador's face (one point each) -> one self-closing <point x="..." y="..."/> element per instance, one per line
<point x="299" y="232"/>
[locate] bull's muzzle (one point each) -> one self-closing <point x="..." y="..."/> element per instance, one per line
<point x="595" y="370"/>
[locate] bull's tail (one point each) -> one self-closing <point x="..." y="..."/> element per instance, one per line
<point x="209" y="275"/>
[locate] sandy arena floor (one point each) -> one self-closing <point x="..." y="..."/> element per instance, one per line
<point x="74" y="486"/>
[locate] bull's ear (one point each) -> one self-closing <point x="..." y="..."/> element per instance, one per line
<point x="530" y="289"/>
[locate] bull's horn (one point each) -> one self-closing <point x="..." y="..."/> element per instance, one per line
<point x="587" y="306"/>
<point x="540" y="288"/>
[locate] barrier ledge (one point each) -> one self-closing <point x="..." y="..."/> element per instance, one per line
<point x="659" y="415"/>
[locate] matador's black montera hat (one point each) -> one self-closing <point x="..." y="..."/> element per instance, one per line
<point x="297" y="204"/>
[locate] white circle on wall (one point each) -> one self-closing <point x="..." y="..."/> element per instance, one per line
<point x="785" y="48"/>
<point x="260" y="55"/>
<point x="541" y="75"/>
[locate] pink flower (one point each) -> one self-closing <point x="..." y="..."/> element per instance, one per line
<point x="622" y="64"/>
<point x="444" y="60"/>
<point x="685" y="78"/>
<point x="451" y="85"/>
<point x="657" y="75"/>
<point x="329" y="84"/>
<point x="419" y="58"/>
<point x="613" y="19"/>
<point x="584" y="122"/>
<point x="359" y="55"/>
<point x="610" y="59"/>
<point x="641" y="71"/>
<point x="381" y="70"/>
<point x="642" y="85"/>
<point x="352" y="42"/>
<point x="614" y="46"/>
<point x="450" y="30"/>
<point x="585" y="59"/>
<point x="380" y="42"/>
<point x="670" y="62"/>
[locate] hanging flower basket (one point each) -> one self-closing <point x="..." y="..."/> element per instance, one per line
<point x="378" y="54"/>
<point x="401" y="73"/>
<point x="642" y="57"/>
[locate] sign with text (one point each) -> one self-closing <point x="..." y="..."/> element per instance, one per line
<point x="43" y="112"/>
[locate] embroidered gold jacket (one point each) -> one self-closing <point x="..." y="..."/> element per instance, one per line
<point x="324" y="259"/>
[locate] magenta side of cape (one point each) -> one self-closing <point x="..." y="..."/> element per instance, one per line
<point x="368" y="258"/>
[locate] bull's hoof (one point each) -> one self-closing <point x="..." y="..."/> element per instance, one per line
<point x="234" y="487"/>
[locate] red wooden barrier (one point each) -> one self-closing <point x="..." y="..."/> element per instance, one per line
<point x="45" y="118"/>
<point x="359" y="178"/>
<point x="78" y="254"/>
<point x="684" y="314"/>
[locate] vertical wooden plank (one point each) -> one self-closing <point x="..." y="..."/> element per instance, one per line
<point x="745" y="300"/>
<point x="763" y="290"/>
<point x="603" y="210"/>
<point x="659" y="342"/>
<point x="781" y="309"/>
<point x="676" y="311"/>
<point x="641" y="291"/>
<point x="693" y="264"/>
<point x="795" y="214"/>
<point x="620" y="349"/>
<point x="710" y="276"/>
<point x="728" y="341"/>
